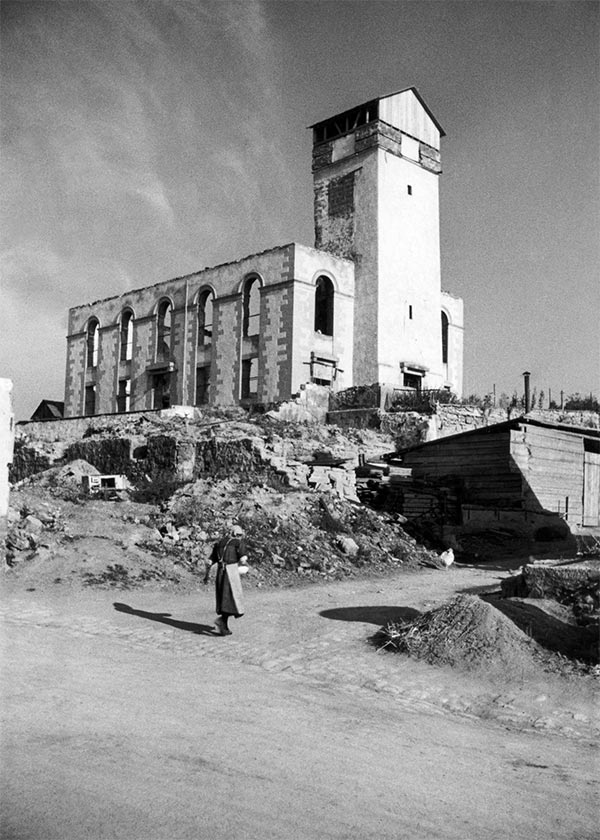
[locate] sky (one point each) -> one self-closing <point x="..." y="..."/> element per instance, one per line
<point x="146" y="140"/>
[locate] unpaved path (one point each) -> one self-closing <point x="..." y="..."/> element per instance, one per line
<point x="125" y="722"/>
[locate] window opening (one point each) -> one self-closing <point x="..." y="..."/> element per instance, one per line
<point x="251" y="320"/>
<point x="126" y="336"/>
<point x="124" y="396"/>
<point x="444" y="338"/>
<point x="413" y="381"/>
<point x="163" y="347"/>
<point x="410" y="311"/>
<point x="161" y="384"/>
<point x="324" y="306"/>
<point x="409" y="189"/>
<point x="249" y="378"/>
<point x="93" y="342"/>
<point x="205" y="319"/>
<point x="346" y="121"/>
<point x="340" y="195"/>
<point x="202" y="384"/>
<point x="90" y="400"/>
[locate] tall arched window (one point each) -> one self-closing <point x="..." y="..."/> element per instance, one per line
<point x="126" y="335"/>
<point x="251" y="320"/>
<point x="444" y="338"/>
<point x="93" y="342"/>
<point x="324" y="306"/>
<point x="163" y="345"/>
<point x="205" y="319"/>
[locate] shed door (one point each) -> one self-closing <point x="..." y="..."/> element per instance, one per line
<point x="591" y="488"/>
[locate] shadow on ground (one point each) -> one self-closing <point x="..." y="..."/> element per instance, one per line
<point x="371" y="615"/>
<point x="549" y="631"/>
<point x="165" y="618"/>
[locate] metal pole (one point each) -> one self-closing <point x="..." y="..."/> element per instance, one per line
<point x="526" y="375"/>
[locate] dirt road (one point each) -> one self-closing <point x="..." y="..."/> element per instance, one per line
<point x="133" y="721"/>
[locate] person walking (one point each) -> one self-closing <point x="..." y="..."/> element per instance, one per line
<point x="229" y="555"/>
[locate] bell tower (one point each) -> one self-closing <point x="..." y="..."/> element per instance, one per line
<point x="376" y="172"/>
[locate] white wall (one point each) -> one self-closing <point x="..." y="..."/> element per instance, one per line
<point x="409" y="269"/>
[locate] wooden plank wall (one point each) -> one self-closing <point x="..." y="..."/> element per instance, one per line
<point x="481" y="463"/>
<point x="551" y="462"/>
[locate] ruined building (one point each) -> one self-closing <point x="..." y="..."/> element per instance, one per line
<point x="363" y="306"/>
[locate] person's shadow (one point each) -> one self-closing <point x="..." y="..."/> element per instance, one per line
<point x="165" y="618"/>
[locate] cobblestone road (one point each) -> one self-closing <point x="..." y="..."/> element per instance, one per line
<point x="318" y="633"/>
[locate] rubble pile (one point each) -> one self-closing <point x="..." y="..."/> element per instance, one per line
<point x="465" y="633"/>
<point x="302" y="518"/>
<point x="574" y="584"/>
<point x="507" y="637"/>
<point x="291" y="533"/>
<point x="217" y="443"/>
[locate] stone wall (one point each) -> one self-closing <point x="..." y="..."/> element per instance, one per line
<point x="585" y="419"/>
<point x="282" y="344"/>
<point x="576" y="585"/>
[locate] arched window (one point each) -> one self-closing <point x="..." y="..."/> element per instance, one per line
<point x="205" y="319"/>
<point x="251" y="320"/>
<point x="324" y="306"/>
<point x="163" y="345"/>
<point x="126" y="335"/>
<point x="93" y="342"/>
<point x="444" y="338"/>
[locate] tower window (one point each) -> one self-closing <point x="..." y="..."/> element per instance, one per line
<point x="93" y="341"/>
<point x="126" y="336"/>
<point x="90" y="400"/>
<point x="202" y="384"/>
<point x="340" y="195"/>
<point x="412" y="381"/>
<point x="409" y="189"/>
<point x="410" y="311"/>
<point x="324" y="306"/>
<point x="249" y="379"/>
<point x="205" y="319"/>
<point x="163" y="346"/>
<point x="444" y="338"/>
<point x="251" y="320"/>
<point x="124" y="396"/>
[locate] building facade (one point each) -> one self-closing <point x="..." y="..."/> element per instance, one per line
<point x="364" y="306"/>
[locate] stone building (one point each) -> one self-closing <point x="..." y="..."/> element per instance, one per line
<point x="364" y="306"/>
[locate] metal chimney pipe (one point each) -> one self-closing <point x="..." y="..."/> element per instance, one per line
<point x="526" y="375"/>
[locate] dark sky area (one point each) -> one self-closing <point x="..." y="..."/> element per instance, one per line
<point x="146" y="140"/>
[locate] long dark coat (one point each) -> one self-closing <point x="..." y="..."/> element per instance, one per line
<point x="228" y="585"/>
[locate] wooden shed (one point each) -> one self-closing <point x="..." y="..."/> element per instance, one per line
<point x="523" y="463"/>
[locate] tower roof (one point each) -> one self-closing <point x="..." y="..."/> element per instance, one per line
<point x="404" y="109"/>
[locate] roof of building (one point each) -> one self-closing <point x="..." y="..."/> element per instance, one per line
<point x="414" y="90"/>
<point x="53" y="407"/>
<point x="508" y="425"/>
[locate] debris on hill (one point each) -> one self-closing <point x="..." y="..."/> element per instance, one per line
<point x="465" y="633"/>
<point x="291" y="486"/>
<point x="293" y="534"/>
<point x="500" y="636"/>
<point x="575" y="583"/>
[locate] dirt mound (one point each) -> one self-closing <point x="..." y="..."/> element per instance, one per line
<point x="465" y="633"/>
